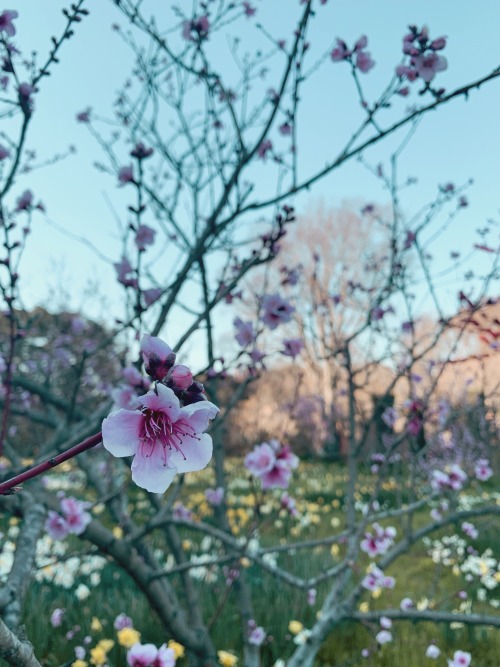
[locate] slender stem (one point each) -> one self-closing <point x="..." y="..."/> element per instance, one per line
<point x="6" y="488"/>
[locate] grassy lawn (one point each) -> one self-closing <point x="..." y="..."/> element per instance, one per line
<point x="319" y="489"/>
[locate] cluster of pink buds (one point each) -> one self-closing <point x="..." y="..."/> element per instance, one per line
<point x="424" y="62"/>
<point x="196" y="29"/>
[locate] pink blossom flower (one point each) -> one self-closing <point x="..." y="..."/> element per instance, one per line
<point x="364" y="61"/>
<point x="157" y="356"/>
<point x="406" y="604"/>
<point x="276" y="310"/>
<point x="427" y="66"/>
<point x="292" y="347"/>
<point x="132" y="376"/>
<point x="6" y="25"/>
<point x="256" y="636"/>
<point x="142" y="655"/>
<point x="377" y="543"/>
<point x="56" y="526"/>
<point x="4" y="152"/>
<point x="124" y="397"/>
<point x="163" y="437"/>
<point x="56" y="617"/>
<point x="456" y="477"/>
<point x="249" y="10"/>
<point x="76" y="517"/>
<point x="260" y="460"/>
<point x="285" y="129"/>
<point x="482" y="470"/>
<point x="376" y="579"/>
<point x="126" y="175"/>
<point x="273" y="463"/>
<point x="460" y="659"/>
<point x="470" y="530"/>
<point x="25" y="91"/>
<point x="432" y="652"/>
<point x="244" y="332"/>
<point x="122" y="621"/>
<point x="264" y="148"/>
<point x="165" y="657"/>
<point x="25" y="201"/>
<point x="215" y="496"/>
<point x="144" y="236"/>
<point x="340" y="51"/>
<point x="385" y="623"/>
<point x="123" y="268"/>
<point x="152" y="295"/>
<point x="196" y="29"/>
<point x="181" y="512"/>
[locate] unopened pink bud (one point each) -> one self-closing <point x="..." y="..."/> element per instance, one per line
<point x="181" y="376"/>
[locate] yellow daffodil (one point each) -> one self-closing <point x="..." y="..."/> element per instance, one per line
<point x="177" y="648"/>
<point x="128" y="637"/>
<point x="295" y="627"/>
<point x="227" y="659"/>
<point x="96" y="625"/>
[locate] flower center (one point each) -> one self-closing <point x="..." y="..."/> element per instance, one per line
<point x="157" y="427"/>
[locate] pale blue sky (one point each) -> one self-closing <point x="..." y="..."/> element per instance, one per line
<point x="460" y="141"/>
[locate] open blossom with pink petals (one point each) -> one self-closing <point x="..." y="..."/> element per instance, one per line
<point x="292" y="347"/>
<point x="453" y="478"/>
<point x="482" y="470"/>
<point x="123" y="270"/>
<point x="144" y="236"/>
<point x="427" y="66"/>
<point x="147" y="655"/>
<point x="377" y="543"/>
<point x="163" y="437"/>
<point x="363" y="60"/>
<point x="460" y="659"/>
<point x="244" y="332"/>
<point x="276" y="310"/>
<point x="376" y="579"/>
<point x="272" y="463"/>
<point x="74" y="520"/>
<point x="6" y="25"/>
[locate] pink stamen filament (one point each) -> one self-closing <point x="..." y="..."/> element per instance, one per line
<point x="157" y="427"/>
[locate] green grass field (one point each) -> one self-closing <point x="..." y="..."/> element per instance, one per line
<point x="319" y="490"/>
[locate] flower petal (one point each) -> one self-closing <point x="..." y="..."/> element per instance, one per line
<point x="198" y="452"/>
<point x="150" y="471"/>
<point x="120" y="432"/>
<point x="166" y="401"/>
<point x="199" y="413"/>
